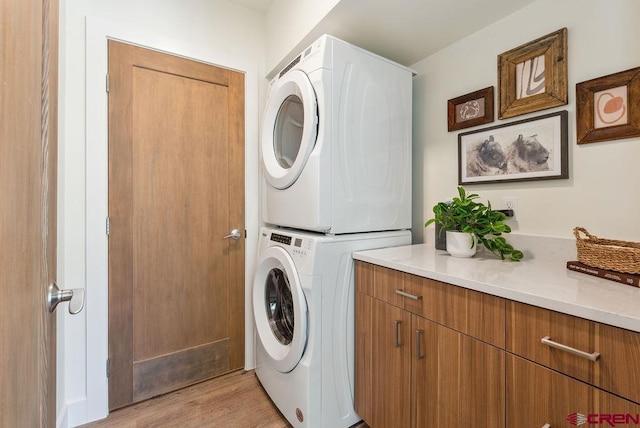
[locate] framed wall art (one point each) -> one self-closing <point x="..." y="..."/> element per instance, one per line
<point x="533" y="76"/>
<point x="608" y="108"/>
<point x="470" y="110"/>
<point x="530" y="149"/>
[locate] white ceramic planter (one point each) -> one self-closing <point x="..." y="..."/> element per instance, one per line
<point x="460" y="244"/>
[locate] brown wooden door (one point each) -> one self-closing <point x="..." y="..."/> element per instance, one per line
<point x="28" y="156"/>
<point x="176" y="188"/>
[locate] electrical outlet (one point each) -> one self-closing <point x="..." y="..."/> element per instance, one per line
<point x="511" y="203"/>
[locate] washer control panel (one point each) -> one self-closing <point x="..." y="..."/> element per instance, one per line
<point x="298" y="246"/>
<point x="282" y="239"/>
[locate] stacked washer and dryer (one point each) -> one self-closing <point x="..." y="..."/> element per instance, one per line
<point x="336" y="154"/>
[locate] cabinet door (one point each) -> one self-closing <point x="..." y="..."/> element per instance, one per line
<point x="458" y="381"/>
<point x="382" y="363"/>
<point x="537" y="396"/>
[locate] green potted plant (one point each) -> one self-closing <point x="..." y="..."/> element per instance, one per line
<point x="477" y="222"/>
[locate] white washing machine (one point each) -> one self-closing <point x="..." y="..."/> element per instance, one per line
<point x="303" y="304"/>
<point x="336" y="142"/>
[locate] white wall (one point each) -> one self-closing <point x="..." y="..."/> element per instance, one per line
<point x="213" y="31"/>
<point x="602" y="192"/>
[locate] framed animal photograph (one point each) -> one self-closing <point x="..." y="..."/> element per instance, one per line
<point x="533" y="76"/>
<point x="530" y="149"/>
<point x="608" y="108"/>
<point x="470" y="110"/>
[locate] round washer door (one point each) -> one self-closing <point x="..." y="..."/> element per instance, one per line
<point x="280" y="309"/>
<point x="290" y="128"/>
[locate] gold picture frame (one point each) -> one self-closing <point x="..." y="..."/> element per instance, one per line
<point x="533" y="76"/>
<point x="608" y="108"/>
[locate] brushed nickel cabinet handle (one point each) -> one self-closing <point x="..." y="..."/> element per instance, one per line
<point x="419" y="355"/>
<point x="409" y="295"/>
<point x="594" y="356"/>
<point x="396" y="333"/>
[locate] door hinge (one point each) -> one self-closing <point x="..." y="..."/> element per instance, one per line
<point x="107" y="83"/>
<point x="108" y="367"/>
<point x="108" y="226"/>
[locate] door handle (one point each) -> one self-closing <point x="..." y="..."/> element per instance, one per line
<point x="75" y="297"/>
<point x="235" y="235"/>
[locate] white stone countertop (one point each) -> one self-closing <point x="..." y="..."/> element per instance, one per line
<point x="542" y="281"/>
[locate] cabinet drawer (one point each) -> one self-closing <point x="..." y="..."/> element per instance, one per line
<point x="537" y="396"/>
<point x="471" y="312"/>
<point x="379" y="282"/>
<point x="616" y="368"/>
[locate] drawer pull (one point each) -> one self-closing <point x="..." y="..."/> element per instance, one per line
<point x="419" y="355"/>
<point x="593" y="356"/>
<point x="409" y="295"/>
<point x="396" y="333"/>
<point x="546" y="426"/>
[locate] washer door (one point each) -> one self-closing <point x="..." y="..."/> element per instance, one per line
<point x="290" y="128"/>
<point x="280" y="309"/>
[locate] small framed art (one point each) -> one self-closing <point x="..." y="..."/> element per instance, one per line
<point x="530" y="149"/>
<point x="533" y="76"/>
<point x="608" y="108"/>
<point x="470" y="110"/>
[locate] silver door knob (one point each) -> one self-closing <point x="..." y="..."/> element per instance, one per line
<point x="235" y="235"/>
<point x="75" y="298"/>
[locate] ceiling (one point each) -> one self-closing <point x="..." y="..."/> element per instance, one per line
<point x="404" y="31"/>
<point x="258" y="5"/>
<point x="407" y="31"/>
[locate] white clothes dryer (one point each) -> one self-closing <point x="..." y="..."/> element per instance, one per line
<point x="303" y="304"/>
<point x="336" y="142"/>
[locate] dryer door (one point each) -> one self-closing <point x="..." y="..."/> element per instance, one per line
<point x="280" y="309"/>
<point x="290" y="128"/>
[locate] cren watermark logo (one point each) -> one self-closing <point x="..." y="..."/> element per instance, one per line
<point x="577" y="419"/>
<point x="607" y="419"/>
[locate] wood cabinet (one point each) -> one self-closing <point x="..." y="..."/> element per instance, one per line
<point x="413" y="368"/>
<point x="573" y="373"/>
<point x="616" y="368"/>
<point x="382" y="392"/>
<point x="539" y="397"/>
<point x="433" y="354"/>
<point x="456" y="380"/>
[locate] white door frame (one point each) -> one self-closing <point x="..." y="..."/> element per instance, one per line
<point x="98" y="31"/>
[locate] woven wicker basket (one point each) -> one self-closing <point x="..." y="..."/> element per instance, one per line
<point x="619" y="256"/>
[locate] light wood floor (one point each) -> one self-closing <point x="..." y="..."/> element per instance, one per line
<point x="229" y="401"/>
<point x="232" y="400"/>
